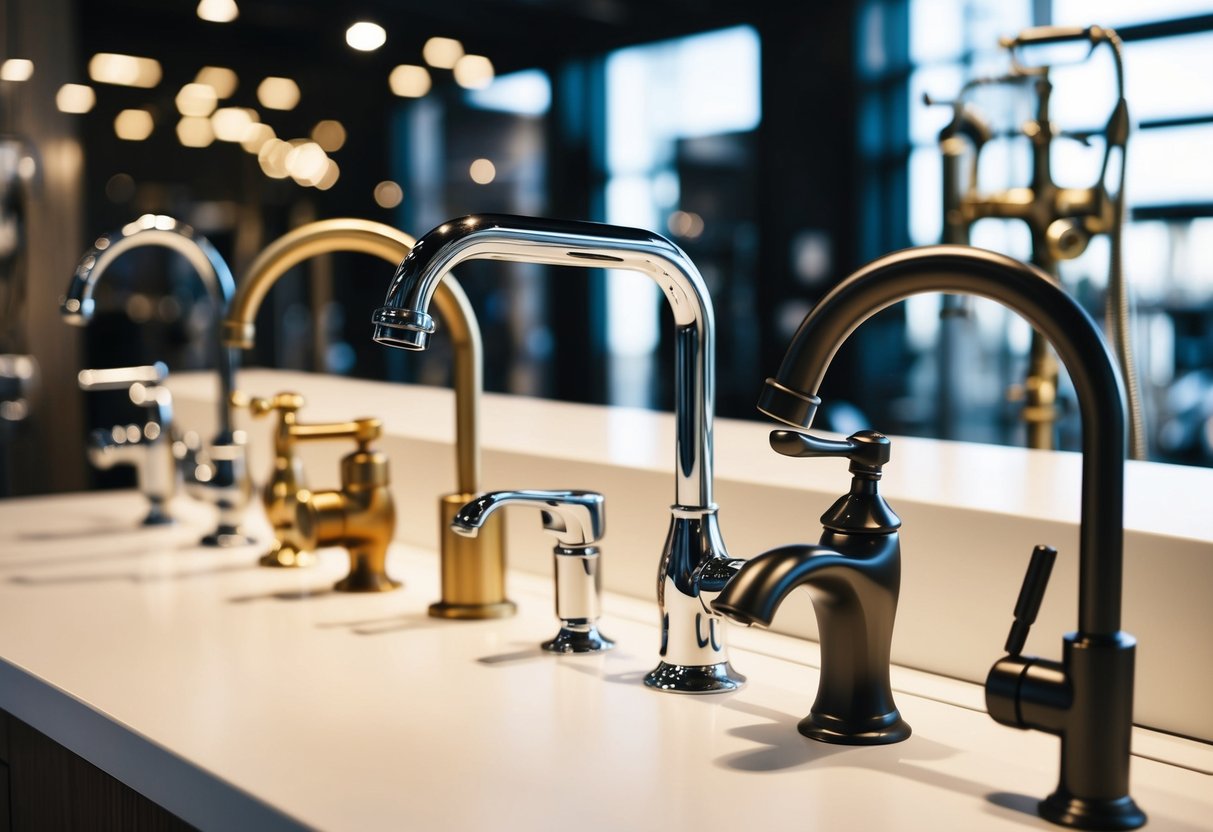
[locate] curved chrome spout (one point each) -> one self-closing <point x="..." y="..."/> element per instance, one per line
<point x="386" y="242"/>
<point x="693" y="654"/>
<point x="576" y="518"/>
<point x="403" y="321"/>
<point x="1086" y="699"/>
<point x="159" y="230"/>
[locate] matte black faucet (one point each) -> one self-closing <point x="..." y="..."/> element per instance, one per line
<point x="854" y="576"/>
<point x="1086" y="699"/>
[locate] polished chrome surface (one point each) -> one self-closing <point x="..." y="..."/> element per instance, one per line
<point x="148" y="448"/>
<point x="577" y="520"/>
<point x="1087" y="698"/>
<point x="215" y="474"/>
<point x="404" y="321"/>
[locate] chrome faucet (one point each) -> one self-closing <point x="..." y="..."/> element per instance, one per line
<point x="854" y="576"/>
<point x="148" y="448"/>
<point x="217" y="474"/>
<point x="694" y="565"/>
<point x="577" y="520"/>
<point x="1086" y="699"/>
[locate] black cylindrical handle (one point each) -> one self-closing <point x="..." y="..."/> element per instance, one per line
<point x="1040" y="567"/>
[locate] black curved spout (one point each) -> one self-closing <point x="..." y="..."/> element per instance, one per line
<point x="1087" y="698"/>
<point x="855" y="601"/>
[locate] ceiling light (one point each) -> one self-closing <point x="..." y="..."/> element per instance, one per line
<point x="218" y="11"/>
<point x="124" y="70"/>
<point x="16" y="69"/>
<point x="231" y="124"/>
<point x="75" y="98"/>
<point x="388" y="194"/>
<point x="133" y="125"/>
<point x="482" y="171"/>
<point x="409" y="81"/>
<point x="196" y="100"/>
<point x="195" y="131"/>
<point x="256" y="137"/>
<point x="329" y="134"/>
<point x="219" y="78"/>
<point x="307" y="163"/>
<point x="473" y="72"/>
<point x="272" y="158"/>
<point x="278" y="93"/>
<point x="442" y="52"/>
<point x="330" y="177"/>
<point x="365" y="36"/>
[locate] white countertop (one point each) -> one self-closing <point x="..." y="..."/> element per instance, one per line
<point x="971" y="514"/>
<point x="246" y="698"/>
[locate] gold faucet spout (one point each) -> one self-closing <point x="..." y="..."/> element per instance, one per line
<point x="392" y="245"/>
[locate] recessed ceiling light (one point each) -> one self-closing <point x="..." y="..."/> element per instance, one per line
<point x="16" y="69"/>
<point x="473" y="72"/>
<point x="75" y="98"/>
<point x="278" y="93"/>
<point x="409" y="81"/>
<point x="218" y="11"/>
<point x="442" y="53"/>
<point x="365" y="36"/>
<point x="133" y="125"/>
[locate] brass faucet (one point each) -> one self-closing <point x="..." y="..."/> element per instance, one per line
<point x="287" y="480"/>
<point x="473" y="570"/>
<point x="360" y="516"/>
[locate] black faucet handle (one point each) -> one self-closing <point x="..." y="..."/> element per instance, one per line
<point x="1040" y="567"/>
<point x="866" y="448"/>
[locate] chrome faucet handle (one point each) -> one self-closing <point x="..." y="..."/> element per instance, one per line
<point x="577" y="520"/>
<point x="148" y="448"/>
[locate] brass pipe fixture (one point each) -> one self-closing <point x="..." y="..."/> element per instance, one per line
<point x="359" y="516"/>
<point x="474" y="587"/>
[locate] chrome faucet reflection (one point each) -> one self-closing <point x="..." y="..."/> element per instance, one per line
<point x="1086" y="699"/>
<point x="854" y="576"/>
<point x="216" y="474"/>
<point x="694" y="565"/>
<point x="578" y="521"/>
<point x="148" y="448"/>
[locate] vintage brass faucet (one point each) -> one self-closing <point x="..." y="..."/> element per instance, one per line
<point x="473" y="570"/>
<point x="693" y="565"/>
<point x="218" y="474"/>
<point x="1086" y="699"/>
<point x="359" y="516"/>
<point x="287" y="480"/>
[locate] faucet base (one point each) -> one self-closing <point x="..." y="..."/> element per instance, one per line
<point x="710" y="678"/>
<point x="226" y="537"/>
<point x="580" y="640"/>
<point x="1086" y="813"/>
<point x="471" y="612"/>
<point x="363" y="582"/>
<point x="286" y="556"/>
<point x="157" y="515"/>
<point x="882" y="730"/>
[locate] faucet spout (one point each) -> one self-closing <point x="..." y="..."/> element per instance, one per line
<point x="1087" y="698"/>
<point x="855" y="601"/>
<point x="693" y="656"/>
<point x="157" y="230"/>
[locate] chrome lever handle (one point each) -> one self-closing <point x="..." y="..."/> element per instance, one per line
<point x="576" y="518"/>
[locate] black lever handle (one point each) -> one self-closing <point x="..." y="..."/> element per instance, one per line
<point x="1040" y="567"/>
<point x="866" y="448"/>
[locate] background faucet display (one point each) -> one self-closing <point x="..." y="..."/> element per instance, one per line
<point x="1087" y="698"/>
<point x="693" y="565"/>
<point x="218" y="474"/>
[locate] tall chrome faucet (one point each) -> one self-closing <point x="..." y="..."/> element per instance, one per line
<point x="1086" y="699"/>
<point x="220" y="475"/>
<point x="694" y="565"/>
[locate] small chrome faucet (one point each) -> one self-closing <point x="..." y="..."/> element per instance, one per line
<point x="694" y="565"/>
<point x="465" y="563"/>
<point x="854" y="576"/>
<point x="148" y="448"/>
<point x="217" y="474"/>
<point x="1086" y="699"/>
<point x="578" y="521"/>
